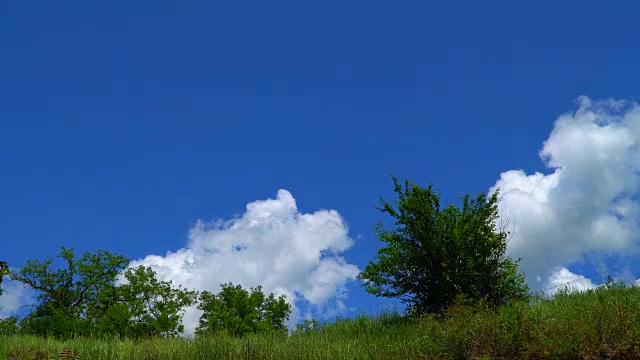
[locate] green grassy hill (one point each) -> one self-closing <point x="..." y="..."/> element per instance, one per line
<point x="598" y="324"/>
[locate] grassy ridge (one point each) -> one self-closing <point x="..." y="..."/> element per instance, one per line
<point x="603" y="323"/>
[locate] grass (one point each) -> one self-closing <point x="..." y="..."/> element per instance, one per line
<point x="598" y="324"/>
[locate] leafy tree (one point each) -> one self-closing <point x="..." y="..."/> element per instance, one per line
<point x="237" y="312"/>
<point x="84" y="299"/>
<point x="308" y="326"/>
<point x="8" y="326"/>
<point x="143" y="307"/>
<point x="436" y="254"/>
<point x="4" y="270"/>
<point x="65" y="293"/>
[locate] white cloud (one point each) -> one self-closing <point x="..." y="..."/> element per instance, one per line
<point x="588" y="203"/>
<point x="562" y="279"/>
<point x="15" y="294"/>
<point x="271" y="244"/>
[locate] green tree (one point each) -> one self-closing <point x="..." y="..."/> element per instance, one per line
<point x="4" y="270"/>
<point x="8" y="326"/>
<point x="65" y="293"/>
<point x="435" y="255"/>
<point x="309" y="325"/>
<point x="143" y="307"/>
<point x="237" y="312"/>
<point x="83" y="298"/>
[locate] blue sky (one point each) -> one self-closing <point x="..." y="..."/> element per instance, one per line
<point x="122" y="124"/>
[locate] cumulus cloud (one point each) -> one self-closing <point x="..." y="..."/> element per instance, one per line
<point x="587" y="205"/>
<point x="562" y="279"/>
<point x="273" y="245"/>
<point x="15" y="294"/>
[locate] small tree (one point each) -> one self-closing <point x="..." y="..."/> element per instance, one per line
<point x="309" y="325"/>
<point x="237" y="312"/>
<point x="8" y="326"/>
<point x="4" y="270"/>
<point x="435" y="255"/>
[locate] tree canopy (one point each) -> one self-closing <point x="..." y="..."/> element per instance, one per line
<point x="83" y="298"/>
<point x="65" y="293"/>
<point x="152" y="307"/>
<point x="237" y="312"/>
<point x="435" y="254"/>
